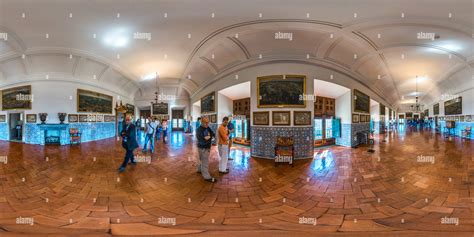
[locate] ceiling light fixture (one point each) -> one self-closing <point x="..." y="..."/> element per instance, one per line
<point x="417" y="107"/>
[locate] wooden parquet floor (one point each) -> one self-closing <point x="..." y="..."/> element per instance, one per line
<point x="414" y="184"/>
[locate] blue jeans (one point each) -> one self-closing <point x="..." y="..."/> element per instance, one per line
<point x="149" y="138"/>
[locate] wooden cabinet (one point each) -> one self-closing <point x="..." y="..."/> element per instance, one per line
<point x="324" y="106"/>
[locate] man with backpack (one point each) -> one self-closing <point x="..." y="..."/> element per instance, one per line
<point x="150" y="130"/>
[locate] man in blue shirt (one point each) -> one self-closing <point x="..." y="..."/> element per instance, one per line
<point x="204" y="135"/>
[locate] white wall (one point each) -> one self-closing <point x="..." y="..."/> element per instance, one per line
<point x="344" y="108"/>
<point x="375" y="113"/>
<point x="225" y="107"/>
<point x="53" y="97"/>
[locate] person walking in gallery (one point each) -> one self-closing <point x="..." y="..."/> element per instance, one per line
<point x="198" y="123"/>
<point x="164" y="125"/>
<point x="158" y="129"/>
<point x="129" y="142"/>
<point x="204" y="136"/>
<point x="231" y="129"/>
<point x="150" y="130"/>
<point x="223" y="145"/>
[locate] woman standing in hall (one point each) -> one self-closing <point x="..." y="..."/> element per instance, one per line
<point x="164" y="125"/>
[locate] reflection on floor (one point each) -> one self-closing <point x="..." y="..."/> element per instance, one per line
<point x="414" y="181"/>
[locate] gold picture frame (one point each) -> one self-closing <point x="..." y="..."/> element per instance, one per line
<point x="31" y="118"/>
<point x="302" y="118"/>
<point x="281" y="118"/>
<point x="261" y="79"/>
<point x="355" y="118"/>
<point x="363" y="96"/>
<point x="10" y="95"/>
<point x="261" y="118"/>
<point x="83" y="106"/>
<point x="73" y="118"/>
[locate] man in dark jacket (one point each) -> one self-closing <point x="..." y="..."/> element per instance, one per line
<point x="204" y="136"/>
<point x="129" y="142"/>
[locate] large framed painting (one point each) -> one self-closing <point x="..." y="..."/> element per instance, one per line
<point x="3" y="118"/>
<point x="453" y="106"/>
<point x="160" y="108"/>
<point x="281" y="118"/>
<point x="302" y="118"/>
<point x="130" y="109"/>
<point x="436" y="109"/>
<point x="208" y="103"/>
<point x="361" y="102"/>
<point x="279" y="91"/>
<point x="16" y="98"/>
<point x="31" y="118"/>
<point x="261" y="118"/>
<point x="409" y="115"/>
<point x="94" y="102"/>
<point x="73" y="118"/>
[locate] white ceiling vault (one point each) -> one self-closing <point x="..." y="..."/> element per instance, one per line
<point x="382" y="44"/>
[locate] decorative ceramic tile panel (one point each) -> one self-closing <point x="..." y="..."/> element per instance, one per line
<point x="4" y="131"/>
<point x="459" y="127"/>
<point x="264" y="139"/>
<point x="359" y="128"/>
<point x="34" y="133"/>
<point x="345" y="139"/>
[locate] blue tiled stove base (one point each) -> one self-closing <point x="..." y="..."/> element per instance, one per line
<point x="459" y="127"/>
<point x="349" y="133"/>
<point x="34" y="133"/>
<point x="264" y="139"/>
<point x="4" y="131"/>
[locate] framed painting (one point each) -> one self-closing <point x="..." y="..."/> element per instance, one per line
<point x="302" y="118"/>
<point x="208" y="103"/>
<point x="109" y="118"/>
<point x="261" y="118"/>
<point x="73" y="118"/>
<point x="160" y="108"/>
<point x="3" y="118"/>
<point x="436" y="109"/>
<point x="367" y="118"/>
<point x="213" y="118"/>
<point x="281" y="91"/>
<point x="355" y="118"/>
<point x="91" y="117"/>
<point x="31" y="118"/>
<point x="281" y="118"/>
<point x="130" y="109"/>
<point x="94" y="102"/>
<point x="362" y="118"/>
<point x="17" y="98"/>
<point x="361" y="102"/>
<point x="83" y="118"/>
<point x="99" y="118"/>
<point x="454" y="106"/>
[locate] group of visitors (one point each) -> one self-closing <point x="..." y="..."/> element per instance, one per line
<point x="204" y="135"/>
<point x="129" y="137"/>
<point x="153" y="129"/>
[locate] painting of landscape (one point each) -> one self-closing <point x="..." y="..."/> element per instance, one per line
<point x="361" y="102"/>
<point x="281" y="91"/>
<point x="160" y="108"/>
<point x="94" y="102"/>
<point x="453" y="106"/>
<point x="208" y="103"/>
<point x="10" y="101"/>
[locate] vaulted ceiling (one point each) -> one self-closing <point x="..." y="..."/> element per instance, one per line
<point x="375" y="42"/>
